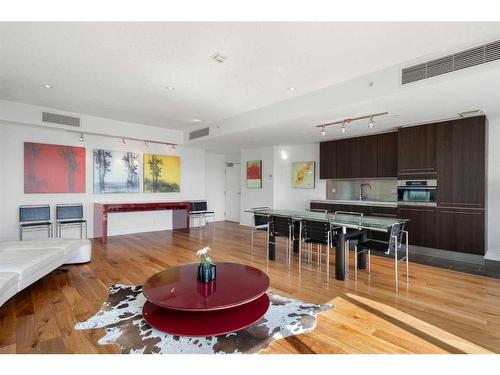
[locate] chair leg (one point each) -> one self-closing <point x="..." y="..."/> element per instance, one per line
<point x="20" y="233"/>
<point x="252" y="237"/>
<point x="318" y="255"/>
<point x="355" y="262"/>
<point x="396" y="266"/>
<point x="369" y="262"/>
<point x="346" y="256"/>
<point x="407" y="260"/>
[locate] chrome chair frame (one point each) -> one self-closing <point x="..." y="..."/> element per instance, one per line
<point x="397" y="246"/>
<point x="288" y="241"/>
<point x="254" y="225"/>
<point x="34" y="225"/>
<point x="319" y="252"/>
<point x="70" y="222"/>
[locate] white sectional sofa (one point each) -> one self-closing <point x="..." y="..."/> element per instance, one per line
<point x="24" y="262"/>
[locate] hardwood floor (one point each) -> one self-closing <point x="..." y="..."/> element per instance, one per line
<point x="441" y="311"/>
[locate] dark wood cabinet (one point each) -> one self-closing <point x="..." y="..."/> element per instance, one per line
<point x="327" y="160"/>
<point x="361" y="157"/>
<point x="368" y="156"/>
<point x="417" y="152"/>
<point x="461" y="163"/>
<point x="421" y="226"/>
<point x="348" y="158"/>
<point x="461" y="230"/>
<point x="387" y="155"/>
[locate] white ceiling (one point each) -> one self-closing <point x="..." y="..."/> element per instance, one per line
<point x="120" y="70"/>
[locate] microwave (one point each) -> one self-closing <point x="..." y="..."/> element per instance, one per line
<point x="417" y="192"/>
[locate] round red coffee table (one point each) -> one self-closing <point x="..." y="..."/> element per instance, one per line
<point x="177" y="303"/>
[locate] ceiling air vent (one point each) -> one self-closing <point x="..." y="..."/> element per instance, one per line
<point x="451" y="63"/>
<point x="55" y="118"/>
<point x="199" y="133"/>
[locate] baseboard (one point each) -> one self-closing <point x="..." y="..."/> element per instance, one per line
<point x="445" y="254"/>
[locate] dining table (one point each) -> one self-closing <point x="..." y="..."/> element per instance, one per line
<point x="339" y="221"/>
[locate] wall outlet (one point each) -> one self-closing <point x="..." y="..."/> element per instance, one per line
<point x="333" y="190"/>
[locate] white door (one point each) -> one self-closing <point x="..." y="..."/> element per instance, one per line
<point x="233" y="192"/>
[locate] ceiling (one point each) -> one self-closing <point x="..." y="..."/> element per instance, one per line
<point x="121" y="70"/>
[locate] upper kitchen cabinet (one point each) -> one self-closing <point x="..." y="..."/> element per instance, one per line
<point x="387" y="155"/>
<point x="348" y="161"/>
<point x="461" y="163"/>
<point x="327" y="160"/>
<point x="417" y="152"/>
<point x="361" y="157"/>
<point x="368" y="155"/>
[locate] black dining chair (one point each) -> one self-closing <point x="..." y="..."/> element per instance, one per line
<point x="280" y="226"/>
<point x="199" y="210"/>
<point x="70" y="216"/>
<point x="386" y="248"/>
<point x="260" y="220"/>
<point x="34" y="218"/>
<point x="320" y="233"/>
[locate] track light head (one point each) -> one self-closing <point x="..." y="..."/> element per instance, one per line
<point x="123" y="142"/>
<point x="146" y="144"/>
<point x="174" y="147"/>
<point x="81" y="139"/>
<point x="372" y="122"/>
<point x="343" y="128"/>
<point x="323" y="131"/>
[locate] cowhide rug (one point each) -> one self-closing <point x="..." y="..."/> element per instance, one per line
<point x="121" y="318"/>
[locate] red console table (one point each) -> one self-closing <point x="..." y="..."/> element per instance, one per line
<point x="180" y="214"/>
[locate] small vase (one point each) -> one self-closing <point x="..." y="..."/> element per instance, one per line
<point x="213" y="272"/>
<point x="203" y="273"/>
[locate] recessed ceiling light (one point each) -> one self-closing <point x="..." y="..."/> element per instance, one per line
<point x="195" y="120"/>
<point x="291" y="89"/>
<point x="219" y="58"/>
<point x="47" y="86"/>
<point x="170" y="88"/>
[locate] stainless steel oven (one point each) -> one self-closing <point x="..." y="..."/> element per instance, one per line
<point x="417" y="192"/>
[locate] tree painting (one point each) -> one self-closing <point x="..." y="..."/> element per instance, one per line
<point x="161" y="173"/>
<point x="53" y="168"/>
<point x="116" y="172"/>
<point x="71" y="163"/>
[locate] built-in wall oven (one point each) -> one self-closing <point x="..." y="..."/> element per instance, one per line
<point x="417" y="192"/>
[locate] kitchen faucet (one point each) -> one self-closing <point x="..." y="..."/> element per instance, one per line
<point x="361" y="195"/>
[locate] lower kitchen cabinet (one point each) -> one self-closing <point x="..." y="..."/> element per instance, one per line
<point x="422" y="225"/>
<point x="461" y="230"/>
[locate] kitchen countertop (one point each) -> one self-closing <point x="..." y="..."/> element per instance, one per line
<point x="357" y="202"/>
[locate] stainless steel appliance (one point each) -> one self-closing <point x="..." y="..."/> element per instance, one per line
<point x="417" y="192"/>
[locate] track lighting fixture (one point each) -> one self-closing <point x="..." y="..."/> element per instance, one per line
<point x="323" y="131"/>
<point x="123" y="142"/>
<point x="81" y="139"/>
<point x="146" y="144"/>
<point x="347" y="121"/>
<point x="174" y="147"/>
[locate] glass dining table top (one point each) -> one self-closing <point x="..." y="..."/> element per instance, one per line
<point x="376" y="223"/>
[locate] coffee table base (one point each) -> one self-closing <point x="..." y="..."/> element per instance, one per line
<point x="205" y="323"/>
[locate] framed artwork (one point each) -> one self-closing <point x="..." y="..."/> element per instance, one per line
<point x="162" y="173"/>
<point x="254" y="174"/>
<point x="53" y="168"/>
<point x="116" y="172"/>
<point x="303" y="175"/>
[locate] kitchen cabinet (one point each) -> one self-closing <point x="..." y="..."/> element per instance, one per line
<point x="348" y="158"/>
<point x="327" y="160"/>
<point x="461" y="163"/>
<point x="461" y="230"/>
<point x="368" y="150"/>
<point x="421" y="226"/>
<point x="417" y="152"/>
<point x="387" y="155"/>
<point x="361" y="157"/>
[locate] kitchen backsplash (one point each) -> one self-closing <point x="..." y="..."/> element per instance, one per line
<point x="381" y="189"/>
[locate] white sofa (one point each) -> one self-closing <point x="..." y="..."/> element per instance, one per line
<point x="24" y="262"/>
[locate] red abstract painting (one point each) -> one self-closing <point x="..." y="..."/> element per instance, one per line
<point x="53" y="168"/>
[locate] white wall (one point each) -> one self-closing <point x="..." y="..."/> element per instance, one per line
<point x="12" y="137"/>
<point x="285" y="196"/>
<point x="257" y="197"/>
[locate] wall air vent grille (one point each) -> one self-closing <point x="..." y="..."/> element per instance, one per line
<point x="447" y="64"/>
<point x="55" y="118"/>
<point x="199" y="133"/>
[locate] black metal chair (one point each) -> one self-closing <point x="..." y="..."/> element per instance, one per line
<point x="70" y="216"/>
<point x="199" y="209"/>
<point x="317" y="210"/>
<point x="260" y="219"/>
<point x="392" y="246"/>
<point x="34" y="218"/>
<point x="280" y="226"/>
<point x="319" y="232"/>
